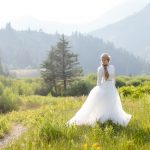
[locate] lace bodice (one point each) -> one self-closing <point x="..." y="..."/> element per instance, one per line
<point x="100" y="74"/>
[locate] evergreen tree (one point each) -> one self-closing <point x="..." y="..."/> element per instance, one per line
<point x="62" y="66"/>
<point x="49" y="72"/>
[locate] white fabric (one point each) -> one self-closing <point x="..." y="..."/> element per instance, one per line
<point x="103" y="103"/>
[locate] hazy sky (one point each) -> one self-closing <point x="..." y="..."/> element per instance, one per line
<point x="65" y="11"/>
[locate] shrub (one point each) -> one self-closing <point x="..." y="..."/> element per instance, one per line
<point x="120" y="82"/>
<point x="134" y="82"/>
<point x="8" y="101"/>
<point x="135" y="91"/>
<point x="78" y="88"/>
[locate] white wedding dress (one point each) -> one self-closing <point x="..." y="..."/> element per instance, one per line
<point x="103" y="103"/>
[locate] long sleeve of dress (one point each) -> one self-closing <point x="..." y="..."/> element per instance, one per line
<point x="99" y="75"/>
<point x="113" y="74"/>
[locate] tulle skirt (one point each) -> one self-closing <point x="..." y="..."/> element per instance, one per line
<point x="103" y="103"/>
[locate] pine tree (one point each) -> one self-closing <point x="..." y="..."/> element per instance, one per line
<point x="49" y="72"/>
<point x="62" y="66"/>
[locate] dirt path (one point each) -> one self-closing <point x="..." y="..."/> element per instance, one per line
<point x="17" y="130"/>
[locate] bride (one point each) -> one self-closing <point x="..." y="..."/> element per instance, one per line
<point x="103" y="102"/>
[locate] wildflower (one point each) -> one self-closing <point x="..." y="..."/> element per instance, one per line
<point x="85" y="146"/>
<point x="95" y="145"/>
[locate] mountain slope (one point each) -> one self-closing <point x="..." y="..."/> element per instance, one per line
<point x="125" y="9"/>
<point x="131" y="33"/>
<point x="27" y="49"/>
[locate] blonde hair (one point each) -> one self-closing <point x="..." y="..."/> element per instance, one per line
<point x="106" y="55"/>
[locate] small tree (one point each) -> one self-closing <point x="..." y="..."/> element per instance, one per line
<point x="67" y="62"/>
<point x="62" y="66"/>
<point x="50" y="69"/>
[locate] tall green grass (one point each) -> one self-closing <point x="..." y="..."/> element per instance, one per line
<point x="47" y="128"/>
<point x="46" y="117"/>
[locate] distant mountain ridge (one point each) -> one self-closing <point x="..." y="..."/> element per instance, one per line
<point x="27" y="49"/>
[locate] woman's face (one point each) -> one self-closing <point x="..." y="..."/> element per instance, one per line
<point x="105" y="61"/>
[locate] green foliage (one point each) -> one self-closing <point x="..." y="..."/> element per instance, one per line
<point x="22" y="88"/>
<point x="6" y="81"/>
<point x="78" y="88"/>
<point x="1" y="88"/>
<point x="134" y="82"/>
<point x="29" y="86"/>
<point x="4" y="126"/>
<point x="45" y="116"/>
<point x="8" y="101"/>
<point x="131" y="80"/>
<point x="47" y="129"/>
<point x="120" y="82"/>
<point x="42" y="89"/>
<point x="61" y="67"/>
<point x="90" y="78"/>
<point x="50" y="131"/>
<point x="135" y="92"/>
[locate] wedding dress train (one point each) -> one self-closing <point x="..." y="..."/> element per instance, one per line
<point x="103" y="103"/>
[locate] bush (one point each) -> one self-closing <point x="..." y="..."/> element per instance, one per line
<point x="126" y="91"/>
<point x="8" y="101"/>
<point x="78" y="88"/>
<point x="6" y="81"/>
<point x="20" y="87"/>
<point x="90" y="78"/>
<point x="42" y="89"/>
<point x="120" y="82"/>
<point x="134" y="82"/>
<point x="135" y="91"/>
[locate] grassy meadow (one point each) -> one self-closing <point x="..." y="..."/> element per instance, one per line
<point x="45" y="117"/>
